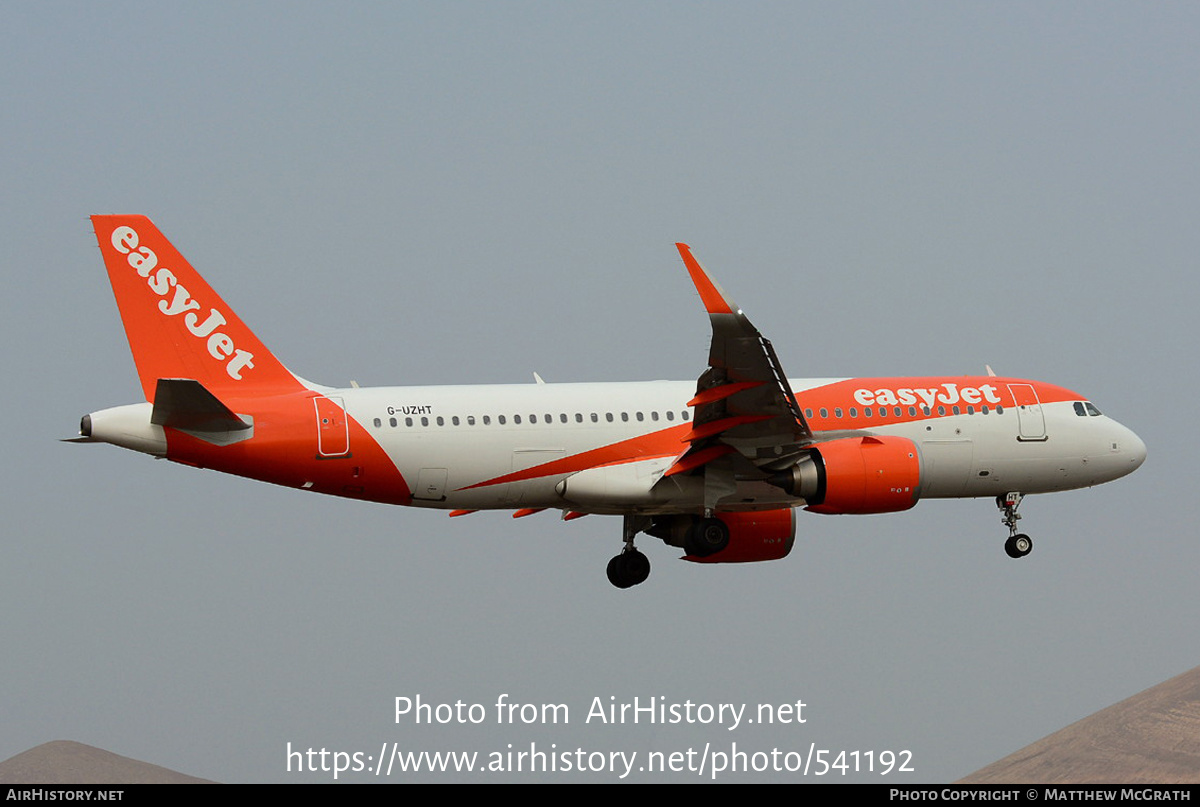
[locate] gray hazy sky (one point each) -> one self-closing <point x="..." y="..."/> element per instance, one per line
<point x="445" y="193"/>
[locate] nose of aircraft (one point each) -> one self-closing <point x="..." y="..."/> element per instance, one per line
<point x="1131" y="448"/>
<point x="1137" y="451"/>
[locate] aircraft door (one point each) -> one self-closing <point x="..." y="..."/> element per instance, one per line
<point x="333" y="430"/>
<point x="1031" y="419"/>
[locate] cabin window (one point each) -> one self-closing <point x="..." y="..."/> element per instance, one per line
<point x="393" y="422"/>
<point x="897" y="411"/>
<point x="440" y="421"/>
<point x="517" y="419"/>
<point x="824" y="412"/>
<point x="957" y="410"/>
<point x="579" y="417"/>
<point x="640" y="417"/>
<point x="670" y="415"/>
<point x="837" y="412"/>
<point x="470" y="420"/>
<point x="487" y="420"/>
<point x="685" y="414"/>
<point x="378" y="423"/>
<point x="424" y="421"/>
<point x="654" y="416"/>
<point x="608" y="416"/>
<point x="624" y="417"/>
<point x="941" y="410"/>
<point x="868" y="411"/>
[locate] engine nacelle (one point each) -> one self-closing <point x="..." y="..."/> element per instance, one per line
<point x="869" y="475"/>
<point x="753" y="536"/>
<point x="857" y="475"/>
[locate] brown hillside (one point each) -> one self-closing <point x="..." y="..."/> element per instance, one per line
<point x="63" y="762"/>
<point x="1150" y="738"/>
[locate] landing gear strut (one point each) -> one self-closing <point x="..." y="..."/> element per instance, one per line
<point x="631" y="567"/>
<point x="1018" y="544"/>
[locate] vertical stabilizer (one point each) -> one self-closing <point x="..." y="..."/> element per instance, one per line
<point x="177" y="326"/>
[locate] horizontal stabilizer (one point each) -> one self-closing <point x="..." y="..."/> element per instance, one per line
<point x="184" y="404"/>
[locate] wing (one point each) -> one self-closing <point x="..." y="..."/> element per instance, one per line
<point x="746" y="419"/>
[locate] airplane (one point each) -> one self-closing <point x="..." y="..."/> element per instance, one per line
<point x="715" y="467"/>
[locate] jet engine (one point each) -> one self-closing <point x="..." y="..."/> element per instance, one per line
<point x="856" y="475"/>
<point x="752" y="536"/>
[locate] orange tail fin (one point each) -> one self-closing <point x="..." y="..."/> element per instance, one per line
<point x="177" y="326"/>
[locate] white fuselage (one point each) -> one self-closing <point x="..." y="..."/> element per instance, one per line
<point x="509" y="446"/>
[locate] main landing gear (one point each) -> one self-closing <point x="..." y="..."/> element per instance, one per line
<point x="699" y="537"/>
<point x="1018" y="544"/>
<point x="631" y="567"/>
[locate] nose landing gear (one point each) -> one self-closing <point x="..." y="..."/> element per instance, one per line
<point x="1018" y="544"/>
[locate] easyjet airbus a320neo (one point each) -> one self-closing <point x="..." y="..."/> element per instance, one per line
<point x="714" y="467"/>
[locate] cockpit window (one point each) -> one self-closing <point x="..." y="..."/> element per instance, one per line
<point x="1092" y="410"/>
<point x="1079" y="410"/>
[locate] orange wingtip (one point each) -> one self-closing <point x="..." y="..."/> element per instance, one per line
<point x="710" y="293"/>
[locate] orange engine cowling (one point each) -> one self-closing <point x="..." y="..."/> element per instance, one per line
<point x="753" y="536"/>
<point x="865" y="475"/>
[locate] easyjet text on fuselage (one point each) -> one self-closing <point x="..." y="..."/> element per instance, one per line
<point x="946" y="394"/>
